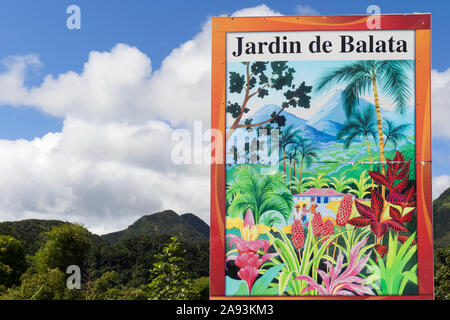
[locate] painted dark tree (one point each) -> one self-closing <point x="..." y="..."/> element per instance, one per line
<point x="260" y="79"/>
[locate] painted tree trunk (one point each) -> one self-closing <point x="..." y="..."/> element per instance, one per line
<point x="370" y="157"/>
<point x="300" y="176"/>
<point x="380" y="131"/>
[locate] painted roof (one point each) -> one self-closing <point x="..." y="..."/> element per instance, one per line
<point x="323" y="192"/>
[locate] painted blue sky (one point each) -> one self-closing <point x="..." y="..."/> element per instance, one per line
<point x="155" y="58"/>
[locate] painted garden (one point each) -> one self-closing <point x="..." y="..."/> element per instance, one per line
<point x="336" y="214"/>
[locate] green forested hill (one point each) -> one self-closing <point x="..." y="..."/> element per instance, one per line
<point x="130" y="253"/>
<point x="187" y="227"/>
<point x="29" y="231"/>
<point x="441" y="220"/>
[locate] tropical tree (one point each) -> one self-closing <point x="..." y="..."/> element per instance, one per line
<point x="262" y="194"/>
<point x="359" y="125"/>
<point x="307" y="153"/>
<point x="169" y="281"/>
<point x="340" y="184"/>
<point x="318" y="182"/>
<point x="362" y="185"/>
<point x="12" y="260"/>
<point x="389" y="77"/>
<point x="257" y="80"/>
<point x="288" y="136"/>
<point x="394" y="134"/>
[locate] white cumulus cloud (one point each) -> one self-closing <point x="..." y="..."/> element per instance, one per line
<point x="110" y="164"/>
<point x="440" y="184"/>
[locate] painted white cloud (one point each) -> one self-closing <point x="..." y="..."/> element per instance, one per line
<point x="110" y="164"/>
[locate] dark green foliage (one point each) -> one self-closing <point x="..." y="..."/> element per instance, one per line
<point x="110" y="270"/>
<point x="298" y="97"/>
<point x="12" y="261"/>
<point x="165" y="222"/>
<point x="236" y="82"/>
<point x="258" y="80"/>
<point x="169" y="280"/>
<point x="28" y="232"/>
<point x="65" y="245"/>
<point x="441" y="220"/>
<point x="442" y="274"/>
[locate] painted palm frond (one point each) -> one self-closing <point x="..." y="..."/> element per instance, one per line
<point x="361" y="77"/>
<point x="362" y="185"/>
<point x="394" y="134"/>
<point x="393" y="76"/>
<point x="260" y="193"/>
<point x="360" y="124"/>
<point x="318" y="182"/>
<point x="357" y="80"/>
<point x="340" y="184"/>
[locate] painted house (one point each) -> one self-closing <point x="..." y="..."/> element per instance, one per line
<point x="323" y="195"/>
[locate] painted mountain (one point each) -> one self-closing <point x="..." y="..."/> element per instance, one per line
<point x="328" y="120"/>
<point x="308" y="131"/>
<point x="331" y="116"/>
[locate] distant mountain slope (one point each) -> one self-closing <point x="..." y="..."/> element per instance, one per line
<point x="332" y="110"/>
<point x="265" y="113"/>
<point x="331" y="115"/>
<point x="186" y="227"/>
<point x="441" y="220"/>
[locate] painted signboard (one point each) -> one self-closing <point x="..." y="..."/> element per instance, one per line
<point x="321" y="171"/>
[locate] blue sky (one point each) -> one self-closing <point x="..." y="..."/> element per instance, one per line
<point x="52" y="56"/>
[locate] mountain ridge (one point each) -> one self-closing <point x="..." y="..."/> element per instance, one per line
<point x="187" y="227"/>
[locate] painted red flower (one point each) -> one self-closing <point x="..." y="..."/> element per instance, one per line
<point x="344" y="210"/>
<point x="317" y="224"/>
<point x="298" y="234"/>
<point x="327" y="231"/>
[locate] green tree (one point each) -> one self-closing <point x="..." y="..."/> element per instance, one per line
<point x="262" y="194"/>
<point x="288" y="137"/>
<point x="318" y="182"/>
<point x="442" y="274"/>
<point x="389" y="77"/>
<point x="394" y="134"/>
<point x="307" y="153"/>
<point x="12" y="261"/>
<point x="65" y="245"/>
<point x="359" y="125"/>
<point x="257" y="81"/>
<point x="362" y="185"/>
<point x="340" y="184"/>
<point x="169" y="280"/>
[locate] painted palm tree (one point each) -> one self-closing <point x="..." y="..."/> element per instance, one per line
<point x="318" y="182"/>
<point x="362" y="185"/>
<point x="340" y="184"/>
<point x="263" y="194"/>
<point x="306" y="153"/>
<point x="394" y="134"/>
<point x="389" y="77"/>
<point x="360" y="124"/>
<point x="288" y="136"/>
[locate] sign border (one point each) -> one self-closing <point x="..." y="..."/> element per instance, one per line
<point x="421" y="24"/>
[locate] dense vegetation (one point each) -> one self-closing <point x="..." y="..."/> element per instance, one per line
<point x="35" y="254"/>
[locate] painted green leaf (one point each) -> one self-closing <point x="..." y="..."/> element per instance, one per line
<point x="235" y="287"/>
<point x="260" y="287"/>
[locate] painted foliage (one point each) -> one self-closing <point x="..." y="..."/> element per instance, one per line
<point x="336" y="213"/>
